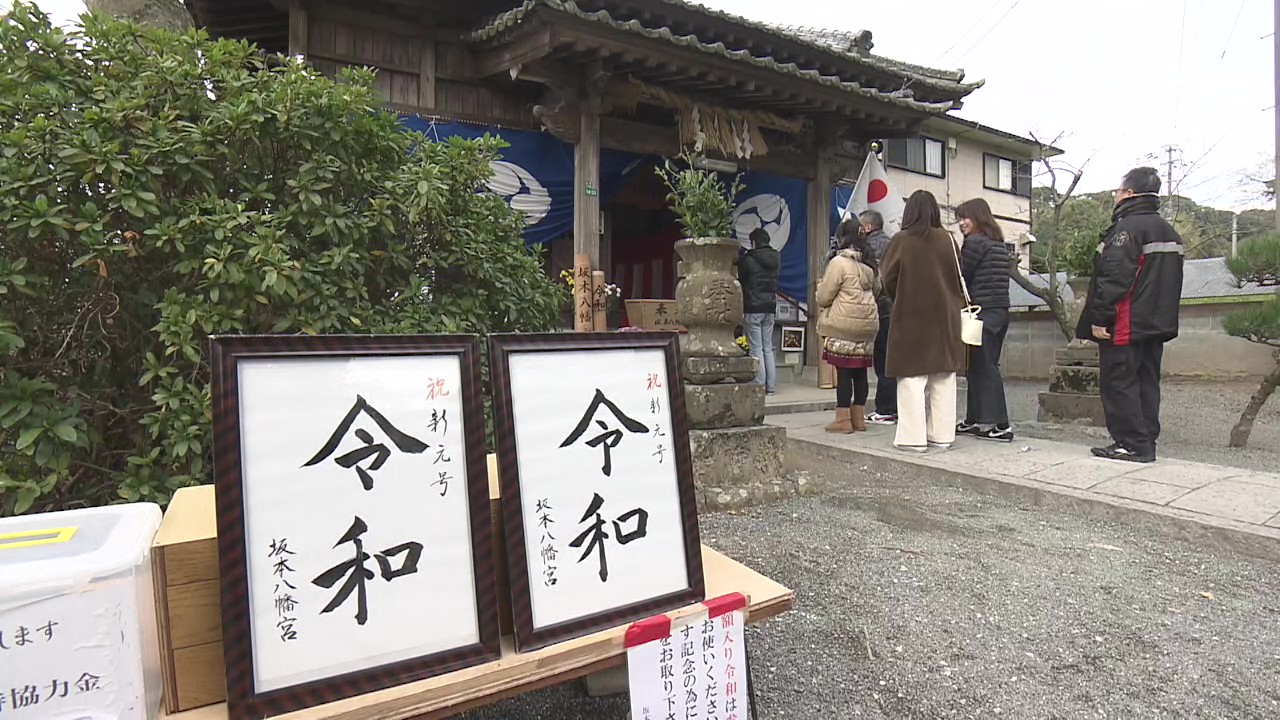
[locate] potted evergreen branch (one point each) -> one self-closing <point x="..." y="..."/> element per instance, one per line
<point x="708" y="296"/>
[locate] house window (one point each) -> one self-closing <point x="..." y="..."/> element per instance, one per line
<point x="1005" y="175"/>
<point x="919" y="155"/>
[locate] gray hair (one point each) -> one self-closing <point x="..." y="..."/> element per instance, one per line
<point x="872" y="218"/>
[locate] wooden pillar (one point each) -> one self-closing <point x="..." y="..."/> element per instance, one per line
<point x="586" y="182"/>
<point x="298" y="28"/>
<point x="819" y="242"/>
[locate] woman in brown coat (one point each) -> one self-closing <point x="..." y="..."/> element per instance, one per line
<point x="921" y="272"/>
<point x="848" y="323"/>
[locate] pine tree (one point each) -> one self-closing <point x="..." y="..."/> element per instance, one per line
<point x="1258" y="262"/>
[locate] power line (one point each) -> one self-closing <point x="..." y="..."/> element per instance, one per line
<point x="963" y="35"/>
<point x="1177" y="80"/>
<point x="989" y="30"/>
<point x="1232" y="33"/>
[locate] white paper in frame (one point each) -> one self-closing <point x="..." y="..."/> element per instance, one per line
<point x="595" y="450"/>
<point x="360" y="561"/>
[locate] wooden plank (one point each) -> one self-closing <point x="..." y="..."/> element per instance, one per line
<point x="446" y="695"/>
<point x="299" y="29"/>
<point x="427" y="74"/>
<point x="404" y="88"/>
<point x="586" y="189"/>
<point x="202" y="680"/>
<point x="185" y="538"/>
<point x="195" y="614"/>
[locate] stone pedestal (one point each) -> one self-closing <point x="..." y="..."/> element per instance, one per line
<point x="738" y="467"/>
<point x="1073" y="395"/>
<point x="737" y="460"/>
<point x="728" y="405"/>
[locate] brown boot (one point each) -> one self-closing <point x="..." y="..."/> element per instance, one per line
<point x="858" y="414"/>
<point x="843" y="422"/>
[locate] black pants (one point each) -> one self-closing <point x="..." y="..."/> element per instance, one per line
<point x="1130" y="386"/>
<point x="851" y="385"/>
<point x="986" y="401"/>
<point x="886" y="387"/>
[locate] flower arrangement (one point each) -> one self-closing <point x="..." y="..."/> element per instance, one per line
<point x="742" y="343"/>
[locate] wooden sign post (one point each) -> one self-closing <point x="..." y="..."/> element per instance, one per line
<point x="584" y="318"/>
<point x="599" y="302"/>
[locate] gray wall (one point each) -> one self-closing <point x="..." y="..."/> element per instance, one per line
<point x="1202" y="349"/>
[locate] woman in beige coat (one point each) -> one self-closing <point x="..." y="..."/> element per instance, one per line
<point x="848" y="323"/>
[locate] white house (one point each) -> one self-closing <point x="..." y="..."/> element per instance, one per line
<point x="958" y="159"/>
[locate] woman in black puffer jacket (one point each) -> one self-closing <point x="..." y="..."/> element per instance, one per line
<point x="985" y="259"/>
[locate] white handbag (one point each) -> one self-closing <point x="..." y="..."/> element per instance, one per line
<point x="970" y="324"/>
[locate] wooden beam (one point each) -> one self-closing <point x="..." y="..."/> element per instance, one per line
<point x="299" y="28"/>
<point x="645" y="139"/>
<point x="528" y="48"/>
<point x="586" y="189"/>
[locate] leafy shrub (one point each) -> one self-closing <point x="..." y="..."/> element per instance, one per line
<point x="159" y="188"/>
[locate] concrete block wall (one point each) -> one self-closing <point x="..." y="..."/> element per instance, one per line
<point x="1202" y="349"/>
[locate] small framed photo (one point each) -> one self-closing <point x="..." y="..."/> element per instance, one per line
<point x="354" y="537"/>
<point x="792" y="339"/>
<point x="598" y="504"/>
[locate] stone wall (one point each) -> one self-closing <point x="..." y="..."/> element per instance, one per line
<point x="1202" y="350"/>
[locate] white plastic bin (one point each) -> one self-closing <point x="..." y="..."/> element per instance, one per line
<point x="77" y="615"/>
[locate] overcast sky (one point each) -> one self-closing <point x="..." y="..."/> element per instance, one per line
<point x="1117" y="80"/>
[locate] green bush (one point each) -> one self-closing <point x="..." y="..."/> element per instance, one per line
<point x="157" y="188"/>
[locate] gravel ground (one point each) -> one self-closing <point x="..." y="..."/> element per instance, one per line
<point x="917" y="598"/>
<point x="1196" y="420"/>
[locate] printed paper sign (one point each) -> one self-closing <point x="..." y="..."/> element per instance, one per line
<point x="692" y="668"/>
<point x="72" y="656"/>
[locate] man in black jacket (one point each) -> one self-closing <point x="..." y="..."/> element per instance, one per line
<point x="758" y="272"/>
<point x="886" y="412"/>
<point x="1131" y="312"/>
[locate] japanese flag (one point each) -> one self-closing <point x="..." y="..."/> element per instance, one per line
<point x="873" y="192"/>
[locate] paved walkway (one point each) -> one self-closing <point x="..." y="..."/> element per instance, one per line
<point x="799" y="398"/>
<point x="1226" y="497"/>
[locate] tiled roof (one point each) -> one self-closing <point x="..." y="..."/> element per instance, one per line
<point x="514" y="18"/>
<point x="858" y="44"/>
<point x="1204" y="278"/>
<point x="839" y="40"/>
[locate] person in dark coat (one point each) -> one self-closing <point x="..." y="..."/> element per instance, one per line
<point x="886" y="404"/>
<point x="985" y="259"/>
<point x="920" y="272"/>
<point x="1131" y="311"/>
<point x="758" y="273"/>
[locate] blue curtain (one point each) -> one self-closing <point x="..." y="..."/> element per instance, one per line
<point x="535" y="174"/>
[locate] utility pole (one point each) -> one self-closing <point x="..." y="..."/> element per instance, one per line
<point x="1169" y="210"/>
<point x="1275" y="37"/>
<point x="1235" y="232"/>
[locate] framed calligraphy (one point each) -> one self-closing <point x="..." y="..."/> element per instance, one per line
<point x="598" y="504"/>
<point x="354" y="537"/>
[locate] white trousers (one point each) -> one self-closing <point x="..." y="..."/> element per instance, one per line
<point x="926" y="410"/>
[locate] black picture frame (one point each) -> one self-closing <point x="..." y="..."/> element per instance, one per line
<point x="501" y="348"/>
<point x="243" y="701"/>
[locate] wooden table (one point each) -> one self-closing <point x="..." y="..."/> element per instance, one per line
<point x="515" y="674"/>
